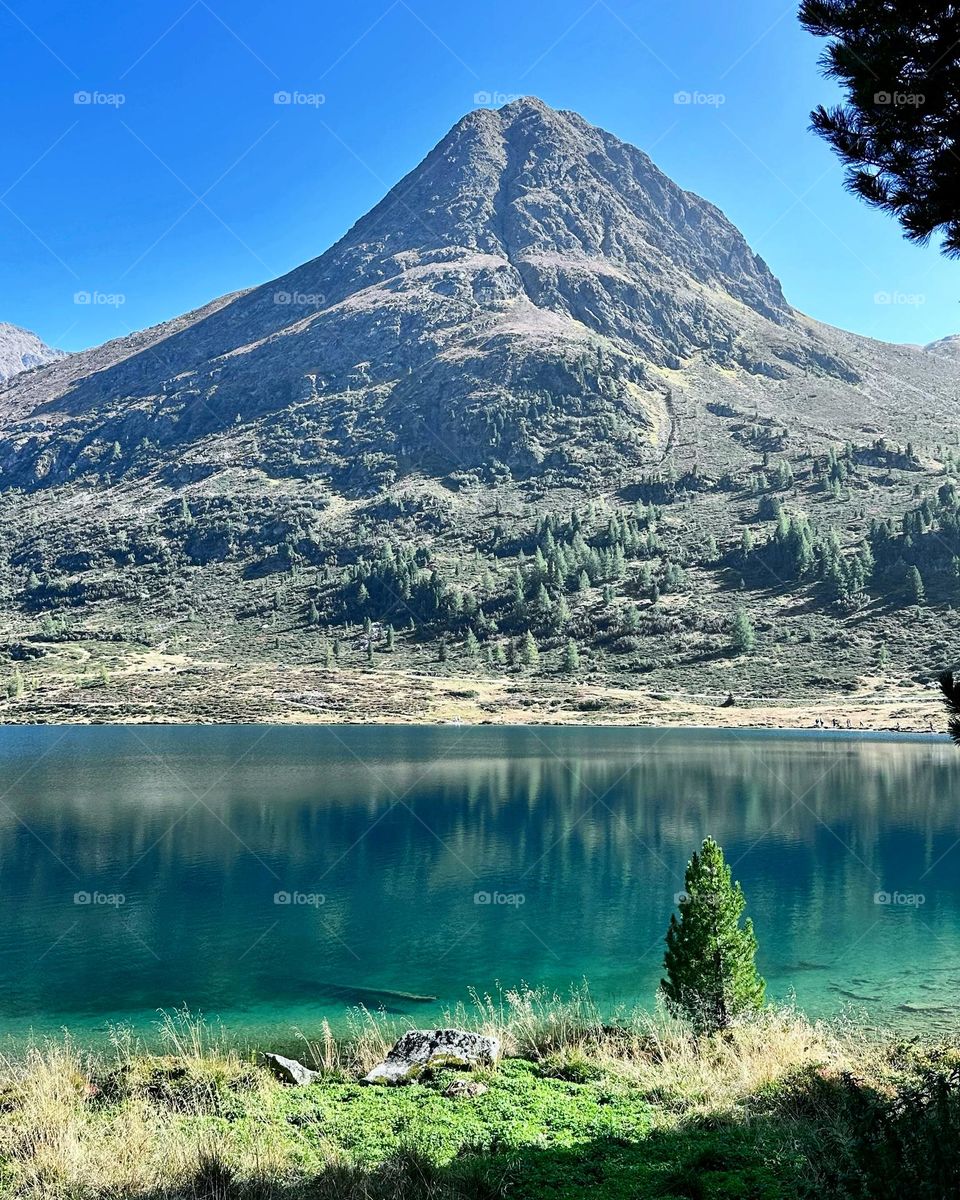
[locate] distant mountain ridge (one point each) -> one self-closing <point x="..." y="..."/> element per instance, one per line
<point x="21" y="350"/>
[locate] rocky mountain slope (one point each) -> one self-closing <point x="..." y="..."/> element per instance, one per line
<point x="21" y="350"/>
<point x="535" y="318"/>
<point x="533" y="286"/>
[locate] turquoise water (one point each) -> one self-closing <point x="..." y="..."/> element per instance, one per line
<point x="428" y="861"/>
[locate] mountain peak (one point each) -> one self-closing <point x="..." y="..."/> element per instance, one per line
<point x="527" y="181"/>
<point x="529" y="108"/>
<point x="21" y="350"/>
<point x="525" y="104"/>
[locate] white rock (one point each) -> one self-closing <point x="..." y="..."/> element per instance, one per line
<point x="421" y="1048"/>
<point x="289" y="1070"/>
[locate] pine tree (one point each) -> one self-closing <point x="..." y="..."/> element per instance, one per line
<point x="542" y="603"/>
<point x="743" y="636"/>
<point x="470" y="644"/>
<point x="711" y="974"/>
<point x="529" y="654"/>
<point x="915" y="589"/>
<point x="950" y="686"/>
<point x="561" y="613"/>
<point x="571" y="657"/>
<point x="899" y="156"/>
<point x="631" y="618"/>
<point x="391" y="637"/>
<point x="518" y="592"/>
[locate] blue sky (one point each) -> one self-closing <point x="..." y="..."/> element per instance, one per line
<point x="182" y="179"/>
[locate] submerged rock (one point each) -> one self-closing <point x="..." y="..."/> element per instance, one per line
<point x="289" y="1070"/>
<point x="422" y="1048"/>
<point x="866" y="999"/>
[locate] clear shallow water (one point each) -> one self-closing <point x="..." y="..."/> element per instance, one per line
<point x="388" y="842"/>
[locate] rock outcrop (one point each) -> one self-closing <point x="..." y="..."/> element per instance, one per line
<point x="420" y="1049"/>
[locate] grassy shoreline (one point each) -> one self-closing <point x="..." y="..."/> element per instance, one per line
<point x="780" y="1106"/>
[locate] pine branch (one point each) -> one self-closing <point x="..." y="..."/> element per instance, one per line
<point x="950" y="686"/>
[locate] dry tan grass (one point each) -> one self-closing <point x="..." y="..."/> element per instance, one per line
<point x="369" y="1038"/>
<point x="662" y="1056"/>
<point x="55" y="1142"/>
<point x="127" y="1123"/>
<point x="164" y="688"/>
